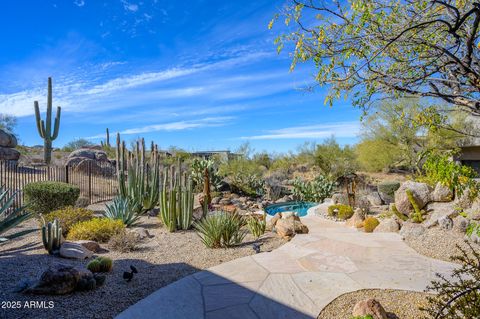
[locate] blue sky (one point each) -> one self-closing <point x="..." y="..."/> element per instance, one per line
<point x="197" y="74"/>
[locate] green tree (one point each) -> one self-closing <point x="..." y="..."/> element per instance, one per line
<point x="377" y="155"/>
<point x="77" y="144"/>
<point x="373" y="49"/>
<point x="335" y="160"/>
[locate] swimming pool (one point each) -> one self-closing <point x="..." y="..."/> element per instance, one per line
<point x="300" y="208"/>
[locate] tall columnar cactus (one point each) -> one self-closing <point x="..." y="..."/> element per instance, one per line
<point x="52" y="236"/>
<point x="45" y="127"/>
<point x="107" y="140"/>
<point x="138" y="179"/>
<point x="176" y="199"/>
<point x="206" y="187"/>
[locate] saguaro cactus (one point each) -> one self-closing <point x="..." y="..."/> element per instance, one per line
<point x="45" y="127"/>
<point x="107" y="141"/>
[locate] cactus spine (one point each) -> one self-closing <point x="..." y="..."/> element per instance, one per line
<point x="52" y="236"/>
<point x="45" y="127"/>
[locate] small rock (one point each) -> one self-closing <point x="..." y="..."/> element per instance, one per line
<point x="460" y="224"/>
<point x="410" y="229"/>
<point x="369" y="307"/>
<point x="89" y="244"/>
<point x="284" y="228"/>
<point x="74" y="251"/>
<point x="340" y="198"/>
<point x="442" y="193"/>
<point x="216" y="200"/>
<point x="445" y="223"/>
<point x="374" y="199"/>
<point x="363" y="203"/>
<point x="225" y="201"/>
<point x="440" y="210"/>
<point x="387" y="225"/>
<point x="141" y="233"/>
<point x="271" y="223"/>
<point x="356" y="219"/>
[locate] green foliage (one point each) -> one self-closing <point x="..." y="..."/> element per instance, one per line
<point x="417" y="216"/>
<point x="96" y="229"/>
<point x="439" y="168"/>
<point x="68" y="216"/>
<point x="376" y="155"/>
<point x="457" y="296"/>
<point x="335" y="161"/>
<point x="398" y="214"/>
<point x="257" y="226"/>
<point x="100" y="264"/>
<point x="52" y="236"/>
<point x="198" y="167"/>
<point x="122" y="209"/>
<point x="340" y="211"/>
<point x="244" y="175"/>
<point x="45" y="127"/>
<point x="46" y="196"/>
<point x="106" y="144"/>
<point x="221" y="229"/>
<point x="388" y="187"/>
<point x="76" y="144"/>
<point x="346" y="41"/>
<point x="176" y="200"/>
<point x="473" y="228"/>
<point x="10" y="217"/>
<point x="138" y="179"/>
<point x="370" y="223"/>
<point x="313" y="191"/>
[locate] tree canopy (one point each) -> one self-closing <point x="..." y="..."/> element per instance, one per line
<point x="389" y="48"/>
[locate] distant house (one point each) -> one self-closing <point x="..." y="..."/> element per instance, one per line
<point x="470" y="156"/>
<point x="224" y="155"/>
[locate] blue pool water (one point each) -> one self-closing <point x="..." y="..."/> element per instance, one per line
<point x="299" y="207"/>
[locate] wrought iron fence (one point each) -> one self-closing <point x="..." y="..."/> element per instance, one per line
<point x="97" y="180"/>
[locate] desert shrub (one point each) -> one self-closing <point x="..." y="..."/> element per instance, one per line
<point x="97" y="229"/>
<point x="376" y="155"/>
<point x="439" y="168"/>
<point x="370" y="223"/>
<point x="123" y="209"/>
<point x="124" y="241"/>
<point x="82" y="202"/>
<point x="340" y="211"/>
<point x="388" y="187"/>
<point x="335" y="160"/>
<point x="77" y="144"/>
<point x="100" y="264"/>
<point x="68" y="216"/>
<point x="313" y="191"/>
<point x="221" y="229"/>
<point x="457" y="296"/>
<point x="244" y="176"/>
<point x="44" y="197"/>
<point x="398" y="214"/>
<point x="257" y="226"/>
<point x="473" y="228"/>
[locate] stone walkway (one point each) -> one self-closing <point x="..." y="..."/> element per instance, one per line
<point x="296" y="280"/>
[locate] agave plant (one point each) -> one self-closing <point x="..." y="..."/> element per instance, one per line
<point x="122" y="208"/>
<point x="221" y="229"/>
<point x="10" y="217"/>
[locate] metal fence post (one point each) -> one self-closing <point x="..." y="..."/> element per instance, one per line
<point x="90" y="182"/>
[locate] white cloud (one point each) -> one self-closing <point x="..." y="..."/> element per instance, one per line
<point x="130" y="6"/>
<point x="340" y="129"/>
<point x="79" y="3"/>
<point x="174" y="126"/>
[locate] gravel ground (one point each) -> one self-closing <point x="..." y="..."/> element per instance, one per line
<point x="437" y="243"/>
<point x="160" y="260"/>
<point x="398" y="304"/>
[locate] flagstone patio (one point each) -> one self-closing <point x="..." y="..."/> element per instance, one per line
<point x="296" y="280"/>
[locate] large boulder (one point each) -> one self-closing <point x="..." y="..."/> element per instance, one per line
<point x="61" y="279"/>
<point x="374" y="199"/>
<point x="357" y="219"/>
<point x="438" y="211"/>
<point x="442" y="193"/>
<point x="7" y="139"/>
<point x="387" y="225"/>
<point x="340" y="198"/>
<point x="86" y="159"/>
<point x="369" y="307"/>
<point x="289" y="225"/>
<point x="9" y="154"/>
<point x="460" y="224"/>
<point x="421" y="194"/>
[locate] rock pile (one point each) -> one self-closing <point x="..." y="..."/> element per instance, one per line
<point x="8" y="142"/>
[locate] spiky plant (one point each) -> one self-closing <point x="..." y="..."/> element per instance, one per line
<point x="11" y="217"/>
<point x="257" y="226"/>
<point x="221" y="229"/>
<point x="45" y="127"/>
<point x="123" y="209"/>
<point x="417" y="216"/>
<point x="52" y="236"/>
<point x="458" y="295"/>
